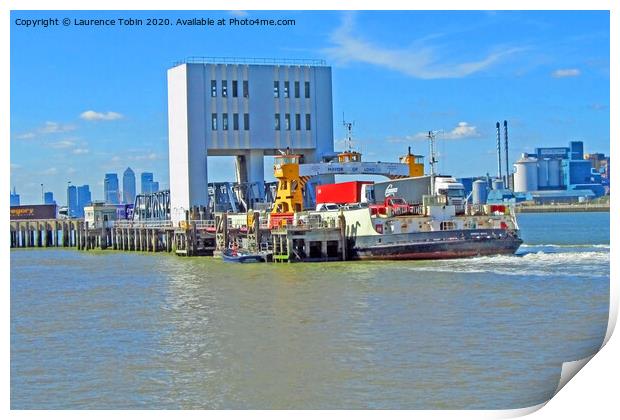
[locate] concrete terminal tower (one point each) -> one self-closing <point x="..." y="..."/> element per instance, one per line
<point x="248" y="108"/>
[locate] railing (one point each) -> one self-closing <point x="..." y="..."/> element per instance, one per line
<point x="251" y="60"/>
<point x="142" y="224"/>
<point x="204" y="224"/>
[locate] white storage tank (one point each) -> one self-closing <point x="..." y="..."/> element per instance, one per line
<point x="498" y="184"/>
<point x="526" y="174"/>
<point x="555" y="173"/>
<point x="543" y="173"/>
<point x="479" y="192"/>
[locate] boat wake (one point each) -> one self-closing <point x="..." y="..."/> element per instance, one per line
<point x="579" y="261"/>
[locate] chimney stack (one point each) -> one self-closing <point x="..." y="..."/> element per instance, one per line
<point x="499" y="152"/>
<point x="506" y="153"/>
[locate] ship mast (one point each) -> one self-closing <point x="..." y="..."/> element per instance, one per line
<point x="349" y="139"/>
<point x="433" y="160"/>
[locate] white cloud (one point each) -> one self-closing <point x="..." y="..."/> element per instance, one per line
<point x="559" y="73"/>
<point x="26" y="136"/>
<point x="100" y="116"/>
<point x="421" y="62"/>
<point x="148" y="156"/>
<point x="50" y="127"/>
<point x="599" y="107"/>
<point x="461" y="131"/>
<point x="54" y="127"/>
<point x="15" y="166"/>
<point x="80" y="151"/>
<point x="50" y="171"/>
<point x="239" y="13"/>
<point x="62" y="144"/>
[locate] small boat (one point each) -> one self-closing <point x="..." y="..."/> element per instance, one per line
<point x="242" y="256"/>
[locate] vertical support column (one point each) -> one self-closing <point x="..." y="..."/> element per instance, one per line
<point x="194" y="239"/>
<point x="154" y="234"/>
<point x="79" y="236"/>
<point x="343" y="235"/>
<point x="55" y="234"/>
<point x="87" y="235"/>
<point x="28" y="237"/>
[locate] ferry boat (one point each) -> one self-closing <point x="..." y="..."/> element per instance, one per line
<point x="437" y="233"/>
<point x="432" y="225"/>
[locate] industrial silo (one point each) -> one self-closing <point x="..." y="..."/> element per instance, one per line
<point x="543" y="173"/>
<point x="555" y="173"/>
<point x="498" y="184"/>
<point x="526" y="174"/>
<point x="479" y="192"/>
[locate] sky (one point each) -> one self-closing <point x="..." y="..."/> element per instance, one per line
<point x="90" y="100"/>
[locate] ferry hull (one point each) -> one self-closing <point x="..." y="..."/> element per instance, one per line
<point x="436" y="245"/>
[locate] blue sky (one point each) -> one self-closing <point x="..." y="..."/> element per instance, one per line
<point x="85" y="101"/>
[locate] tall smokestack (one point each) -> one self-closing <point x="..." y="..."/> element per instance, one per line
<point x="506" y="153"/>
<point x="499" y="152"/>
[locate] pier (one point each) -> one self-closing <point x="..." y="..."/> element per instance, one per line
<point x="307" y="242"/>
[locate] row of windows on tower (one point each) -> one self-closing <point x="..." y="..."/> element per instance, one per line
<point x="286" y="89"/>
<point x="246" y="122"/>
<point x="235" y="88"/>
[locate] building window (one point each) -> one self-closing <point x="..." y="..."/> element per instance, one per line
<point x="276" y="89"/>
<point x="224" y="121"/>
<point x="297" y="89"/>
<point x="246" y="89"/>
<point x="277" y="122"/>
<point x="213" y="121"/>
<point x="307" y="121"/>
<point x="246" y="121"/>
<point x="286" y="89"/>
<point x="235" y="86"/>
<point x="307" y="89"/>
<point x="213" y="88"/>
<point x="235" y="122"/>
<point x="287" y="122"/>
<point x="224" y="88"/>
<point x="297" y="122"/>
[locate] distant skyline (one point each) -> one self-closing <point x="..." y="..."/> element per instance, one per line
<point x="88" y="101"/>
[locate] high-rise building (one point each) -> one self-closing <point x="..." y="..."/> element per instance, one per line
<point x="154" y="186"/>
<point x="72" y="201"/>
<point x="146" y="181"/>
<point x="129" y="186"/>
<point x="83" y="199"/>
<point x="48" y="198"/>
<point x="111" y="193"/>
<point x="14" y="198"/>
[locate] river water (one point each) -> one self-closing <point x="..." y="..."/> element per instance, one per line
<point x="105" y="329"/>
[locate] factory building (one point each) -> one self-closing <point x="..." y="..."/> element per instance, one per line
<point x="558" y="169"/>
<point x="246" y="108"/>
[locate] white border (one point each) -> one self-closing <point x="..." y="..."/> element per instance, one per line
<point x="595" y="385"/>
